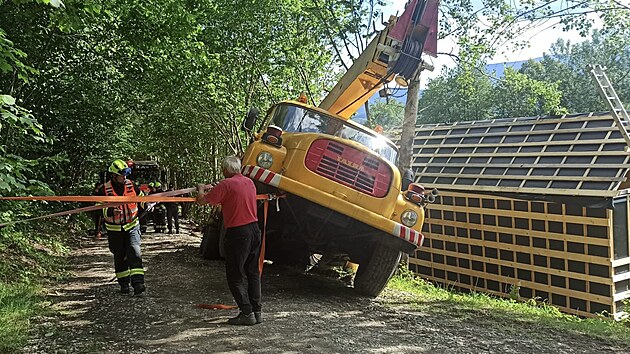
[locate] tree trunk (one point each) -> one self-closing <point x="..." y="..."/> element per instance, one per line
<point x="408" y="133"/>
<point x="409" y="124"/>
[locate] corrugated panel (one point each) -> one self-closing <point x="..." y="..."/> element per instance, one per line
<point x="582" y="155"/>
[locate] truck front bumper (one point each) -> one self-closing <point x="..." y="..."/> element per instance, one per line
<point x="332" y="202"/>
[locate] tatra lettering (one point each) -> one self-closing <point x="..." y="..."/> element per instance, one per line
<point x="349" y="163"/>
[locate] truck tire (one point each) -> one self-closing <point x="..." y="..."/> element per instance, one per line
<point x="212" y="242"/>
<point x="372" y="277"/>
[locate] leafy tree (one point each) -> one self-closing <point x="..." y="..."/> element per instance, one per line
<point x="566" y="65"/>
<point x="456" y="95"/>
<point x="386" y="114"/>
<point x="170" y="80"/>
<point x="517" y="95"/>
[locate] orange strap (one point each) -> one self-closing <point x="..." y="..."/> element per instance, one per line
<point x="261" y="258"/>
<point x="216" y="306"/>
<point x="118" y="201"/>
<point x="105" y="199"/>
<point x="63" y="213"/>
<point x="163" y="197"/>
<point x="267" y="198"/>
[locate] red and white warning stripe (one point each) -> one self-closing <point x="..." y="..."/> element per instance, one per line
<point x="407" y="234"/>
<point x="262" y="175"/>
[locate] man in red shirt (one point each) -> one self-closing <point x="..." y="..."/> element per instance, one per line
<point x="237" y="196"/>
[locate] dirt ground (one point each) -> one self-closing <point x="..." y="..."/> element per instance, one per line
<point x="303" y="314"/>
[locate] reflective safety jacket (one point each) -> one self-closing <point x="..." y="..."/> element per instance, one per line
<point x="128" y="218"/>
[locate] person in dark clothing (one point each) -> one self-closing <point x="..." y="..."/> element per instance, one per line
<point x="159" y="211"/>
<point x="237" y="196"/>
<point x="97" y="215"/>
<point x="123" y="229"/>
<point x="172" y="214"/>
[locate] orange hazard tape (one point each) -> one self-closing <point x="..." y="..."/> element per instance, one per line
<point x="106" y="199"/>
<point x="110" y="202"/>
<point x="163" y="197"/>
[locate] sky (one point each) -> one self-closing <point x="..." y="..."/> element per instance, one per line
<point x="539" y="38"/>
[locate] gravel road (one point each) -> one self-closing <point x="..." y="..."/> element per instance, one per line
<point x="303" y="314"/>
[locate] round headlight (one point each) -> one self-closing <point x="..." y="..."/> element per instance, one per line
<point x="264" y="159"/>
<point x="409" y="218"/>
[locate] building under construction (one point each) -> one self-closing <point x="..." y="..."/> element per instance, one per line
<point x="538" y="205"/>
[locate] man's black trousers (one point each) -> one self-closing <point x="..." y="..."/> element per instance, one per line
<point x="172" y="213"/>
<point x="125" y="245"/>
<point x="242" y="249"/>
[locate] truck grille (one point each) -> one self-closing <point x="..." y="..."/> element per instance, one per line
<point x="351" y="167"/>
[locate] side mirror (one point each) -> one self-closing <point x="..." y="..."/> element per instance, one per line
<point x="407" y="179"/>
<point x="250" y="120"/>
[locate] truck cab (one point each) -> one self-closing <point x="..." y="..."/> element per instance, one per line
<point x="342" y="193"/>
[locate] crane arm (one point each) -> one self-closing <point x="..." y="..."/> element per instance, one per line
<point x="395" y="50"/>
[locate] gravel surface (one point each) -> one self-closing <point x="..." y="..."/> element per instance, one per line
<point x="302" y="314"/>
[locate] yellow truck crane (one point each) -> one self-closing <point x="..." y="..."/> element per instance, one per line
<point x="342" y="189"/>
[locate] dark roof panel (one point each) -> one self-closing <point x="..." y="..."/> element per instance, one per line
<point x="581" y="155"/>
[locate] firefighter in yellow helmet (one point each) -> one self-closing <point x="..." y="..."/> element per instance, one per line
<point x="123" y="229"/>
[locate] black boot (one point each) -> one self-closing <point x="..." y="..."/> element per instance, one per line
<point x="243" y="319"/>
<point x="124" y="285"/>
<point x="137" y="281"/>
<point x="139" y="288"/>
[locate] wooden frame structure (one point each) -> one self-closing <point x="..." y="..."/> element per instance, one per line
<point x="534" y="204"/>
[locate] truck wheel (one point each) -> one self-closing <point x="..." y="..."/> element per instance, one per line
<point x="372" y="276"/>
<point x="212" y="242"/>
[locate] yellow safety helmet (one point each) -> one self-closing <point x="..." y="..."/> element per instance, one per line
<point x="119" y="167"/>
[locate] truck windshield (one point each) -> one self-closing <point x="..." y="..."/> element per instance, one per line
<point x="293" y="119"/>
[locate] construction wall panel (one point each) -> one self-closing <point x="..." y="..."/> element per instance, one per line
<point x="573" y="257"/>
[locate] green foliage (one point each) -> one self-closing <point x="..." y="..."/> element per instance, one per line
<point x="482" y="29"/>
<point x="557" y="84"/>
<point x="30" y="253"/>
<point x="17" y="122"/>
<point x="459" y="94"/>
<point x="386" y="114"/>
<point x="168" y="80"/>
<point x="516" y="95"/>
<point x="11" y="59"/>
<point x="566" y="63"/>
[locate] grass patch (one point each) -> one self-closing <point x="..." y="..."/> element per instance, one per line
<point x="410" y="289"/>
<point x="18" y="304"/>
<point x="31" y="254"/>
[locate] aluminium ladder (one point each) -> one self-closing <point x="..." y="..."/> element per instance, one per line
<point x="607" y="92"/>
